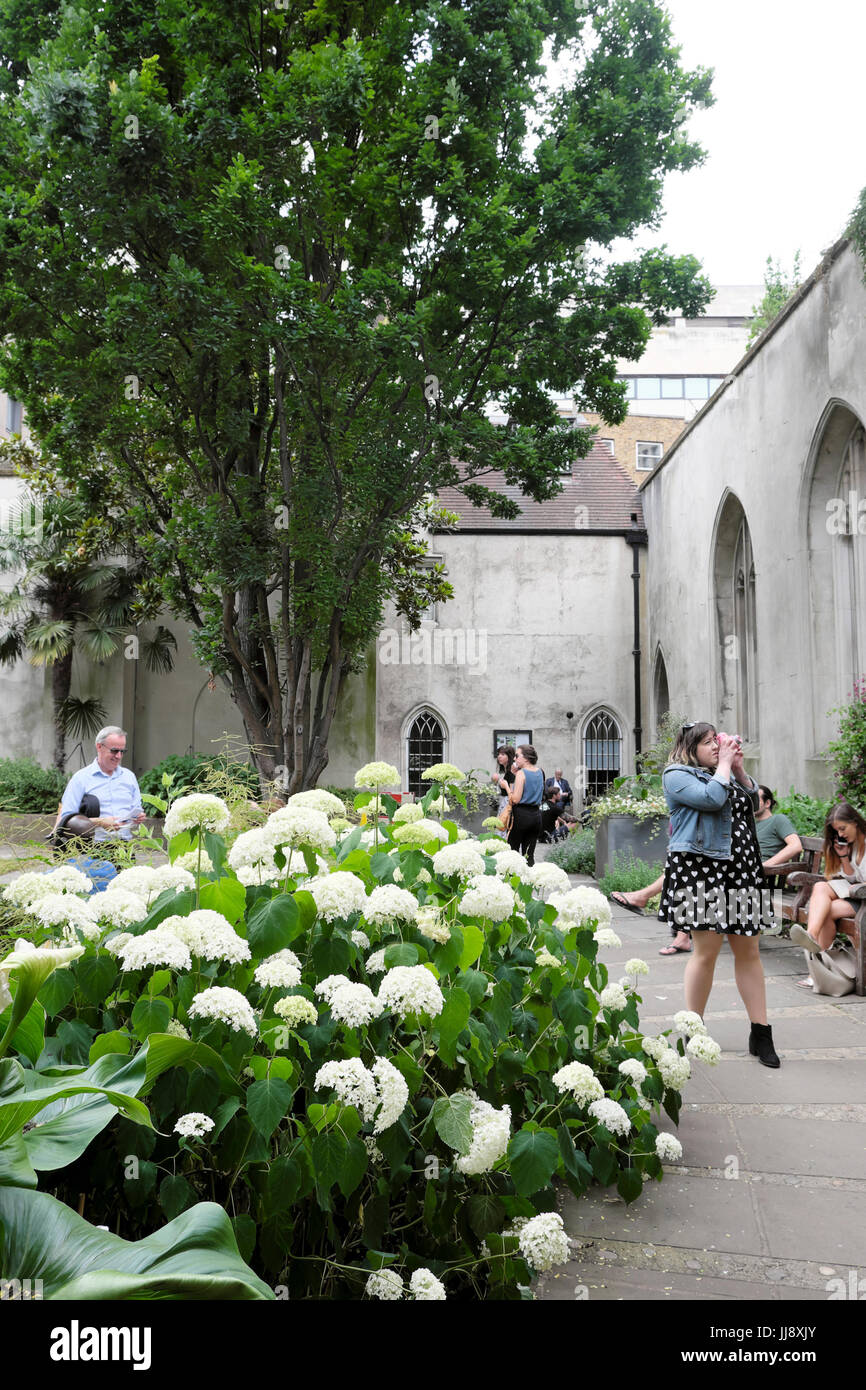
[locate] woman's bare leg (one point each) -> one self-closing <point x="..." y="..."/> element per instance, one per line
<point x="701" y="968"/>
<point x="749" y="975"/>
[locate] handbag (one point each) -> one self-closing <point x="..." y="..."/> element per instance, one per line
<point x="506" y="817"/>
<point x="833" y="972"/>
<point x="75" y="825"/>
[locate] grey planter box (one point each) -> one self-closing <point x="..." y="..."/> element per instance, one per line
<point x="646" y="840"/>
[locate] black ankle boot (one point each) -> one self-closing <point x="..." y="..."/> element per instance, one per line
<point x="761" y="1045"/>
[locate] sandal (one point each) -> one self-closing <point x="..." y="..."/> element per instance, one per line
<point x="630" y="907"/>
<point x="675" y="950"/>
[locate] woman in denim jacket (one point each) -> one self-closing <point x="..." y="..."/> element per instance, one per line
<point x="714" y="882"/>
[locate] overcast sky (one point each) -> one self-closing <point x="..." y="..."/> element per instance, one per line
<point x="786" y="154"/>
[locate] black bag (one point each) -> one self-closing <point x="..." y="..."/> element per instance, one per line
<point x="75" y="825"/>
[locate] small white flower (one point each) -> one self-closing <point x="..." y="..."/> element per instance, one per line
<point x="374" y="775"/>
<point x="385" y="1284"/>
<point x="209" y="936"/>
<point x="461" y="859"/>
<point x="176" y="1029"/>
<point x="66" y="911"/>
<point x="280" y="971"/>
<point x="688" y="1022"/>
<point x="611" y="1114"/>
<point x="198" y="811"/>
<point x="636" y="966"/>
<point x="613" y="997"/>
<point x="375" y="963"/>
<point x="544" y="957"/>
<point x="388" y="904"/>
<point x="353" y="1083"/>
<point x="606" y="936"/>
<point x="393" y="1094"/>
<point x="443" y="772"/>
<point x="431" y="922"/>
<point x="409" y="811"/>
<point x="487" y="897"/>
<point x="411" y="989"/>
<point x="361" y="940"/>
<point x="673" y="1069"/>
<point x="227" y="1006"/>
<point x="582" y="904"/>
<point x="543" y="1241"/>
<point x="705" y="1048"/>
<point x="190" y="861"/>
<point x="319" y="800"/>
<point x="512" y="862"/>
<point x="633" y="1069"/>
<point x="295" y="1009"/>
<point x="325" y="988"/>
<point x="67" y="879"/>
<point x="668" y="1148"/>
<point x="354" y="1005"/>
<point x="426" y="1287"/>
<point x="547" y="878"/>
<point x="338" y="895"/>
<point x="157" y="947"/>
<point x="491" y="1129"/>
<point x="580" y="1080"/>
<point x="195" y="1125"/>
<point x="419" y="832"/>
<point x="654" y="1047"/>
<point x="299" y="827"/>
<point x="119" y="907"/>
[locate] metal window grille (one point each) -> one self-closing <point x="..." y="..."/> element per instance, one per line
<point x="426" y="747"/>
<point x="602" y="754"/>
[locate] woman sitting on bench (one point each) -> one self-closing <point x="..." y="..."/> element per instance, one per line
<point x="844" y="865"/>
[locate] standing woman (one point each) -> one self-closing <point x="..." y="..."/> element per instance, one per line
<point x="503" y="777"/>
<point x="526" y="797"/>
<point x="713" y="875"/>
<point x="845" y="864"/>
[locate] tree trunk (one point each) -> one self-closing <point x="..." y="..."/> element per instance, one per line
<point x="61" y="682"/>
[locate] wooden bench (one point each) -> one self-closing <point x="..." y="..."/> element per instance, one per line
<point x="802" y="874"/>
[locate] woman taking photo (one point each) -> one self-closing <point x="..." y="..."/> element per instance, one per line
<point x="844" y="865"/>
<point x="713" y="876"/>
<point x="526" y="797"/>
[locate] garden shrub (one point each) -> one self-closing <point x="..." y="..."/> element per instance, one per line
<point x="848" y="751"/>
<point x="808" y="813"/>
<point x="376" y="1053"/>
<point x="576" y="855"/>
<point x="628" y="873"/>
<point x="194" y="770"/>
<point x="28" y="789"/>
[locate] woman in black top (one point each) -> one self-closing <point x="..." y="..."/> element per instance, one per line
<point x="504" y="776"/>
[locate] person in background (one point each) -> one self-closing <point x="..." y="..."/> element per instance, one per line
<point x="844" y="866"/>
<point x="777" y="835"/>
<point x="115" y="788"/>
<point x="526" y="796"/>
<point x="503" y="776"/>
<point x="557" y="780"/>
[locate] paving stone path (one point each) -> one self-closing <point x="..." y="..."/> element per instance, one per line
<point x="769" y="1201"/>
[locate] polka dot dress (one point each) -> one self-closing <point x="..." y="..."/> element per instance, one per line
<point x="703" y="894"/>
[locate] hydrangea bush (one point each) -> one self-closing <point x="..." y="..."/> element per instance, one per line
<point x="377" y="1060"/>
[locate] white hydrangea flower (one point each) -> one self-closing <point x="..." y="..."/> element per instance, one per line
<point x="226" y="1006"/>
<point x="426" y="1287"/>
<point x="544" y="957"/>
<point x="253" y="847"/>
<point x="393" y="1094"/>
<point x="409" y="811"/>
<point x="295" y="1009"/>
<point x="387" y="904"/>
<point x="373" y="775"/>
<point x="668" y="1148"/>
<point x="279" y="971"/>
<point x="67" y="879"/>
<point x="654" y="1047"/>
<point x="176" y="1029"/>
<point x="139" y="878"/>
<point x="420" y="832"/>
<point x="385" y="1284"/>
<point x="353" y="1083"/>
<point x="461" y="833"/>
<point x="582" y="904"/>
<point x="580" y="1080"/>
<point x="633" y="1069"/>
<point x="425" y="876"/>
<point x="168" y="876"/>
<point x="494" y="846"/>
<point x="354" y="1005"/>
<point x="325" y="988"/>
<point x="398" y="875"/>
<point x="119" y="907"/>
<point x="299" y="827"/>
<point x="490" y="990"/>
<point x="360" y="939"/>
<point x="611" y="1114"/>
<point x="705" y="1048"/>
<point x="157" y="947"/>
<point x="606" y="936"/>
<point x="26" y="889"/>
<point x="491" y="1130"/>
<point x="439" y="804"/>
<point x="461" y="859"/>
<point x="200" y="811"/>
<point x="115" y="944"/>
<point x="443" y="772"/>
<point x="375" y="963"/>
<point x="411" y="989"/>
<point x="673" y="1069"/>
<point x="317" y="799"/>
<point x="547" y="878"/>
<point x="338" y="895"/>
<point x="636" y="966"/>
<point x="71" y="913"/>
<point x="613" y="997"/>
<point x="543" y="1241"/>
<point x="431" y="922"/>
<point x="209" y="936"/>
<point x="194" y="1125"/>
<point x="488" y="897"/>
<point x="686" y="1021"/>
<point x="190" y="862"/>
<point x="265" y="874"/>
<point x="509" y="862"/>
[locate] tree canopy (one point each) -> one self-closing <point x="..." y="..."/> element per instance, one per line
<point x="264" y="269"/>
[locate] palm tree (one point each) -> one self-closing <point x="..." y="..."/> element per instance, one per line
<point x="68" y="596"/>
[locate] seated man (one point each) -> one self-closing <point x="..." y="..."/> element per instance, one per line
<point x="115" y="788"/>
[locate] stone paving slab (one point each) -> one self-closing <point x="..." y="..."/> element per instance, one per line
<point x="649" y="1285"/>
<point x="763" y="1147"/>
<point x="681" y="1210"/>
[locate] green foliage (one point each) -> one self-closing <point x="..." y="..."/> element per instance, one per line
<point x="576" y="855"/>
<point x="628" y="873"/>
<point x="290" y="274"/>
<point x="194" y="772"/>
<point x="808" y="813"/>
<point x="27" y="788"/>
<point x="654" y="759"/>
<point x="848" y="751"/>
<point x="641" y="796"/>
<point x="778" y="288"/>
<point x="323" y="1187"/>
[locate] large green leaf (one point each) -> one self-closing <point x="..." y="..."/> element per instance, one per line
<point x="227" y="896"/>
<point x="29" y="1036"/>
<point x="268" y="1101"/>
<point x="453" y="1125"/>
<point x="193" y="1257"/>
<point x="95" y="976"/>
<point x="164" y="1050"/>
<point x="533" y="1156"/>
<point x="273" y="924"/>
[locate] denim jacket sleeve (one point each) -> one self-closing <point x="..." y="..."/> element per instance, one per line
<point x="685" y="788"/>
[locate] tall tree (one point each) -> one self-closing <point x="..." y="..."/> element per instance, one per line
<point x="264" y="268"/>
<point x="778" y="288"/>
